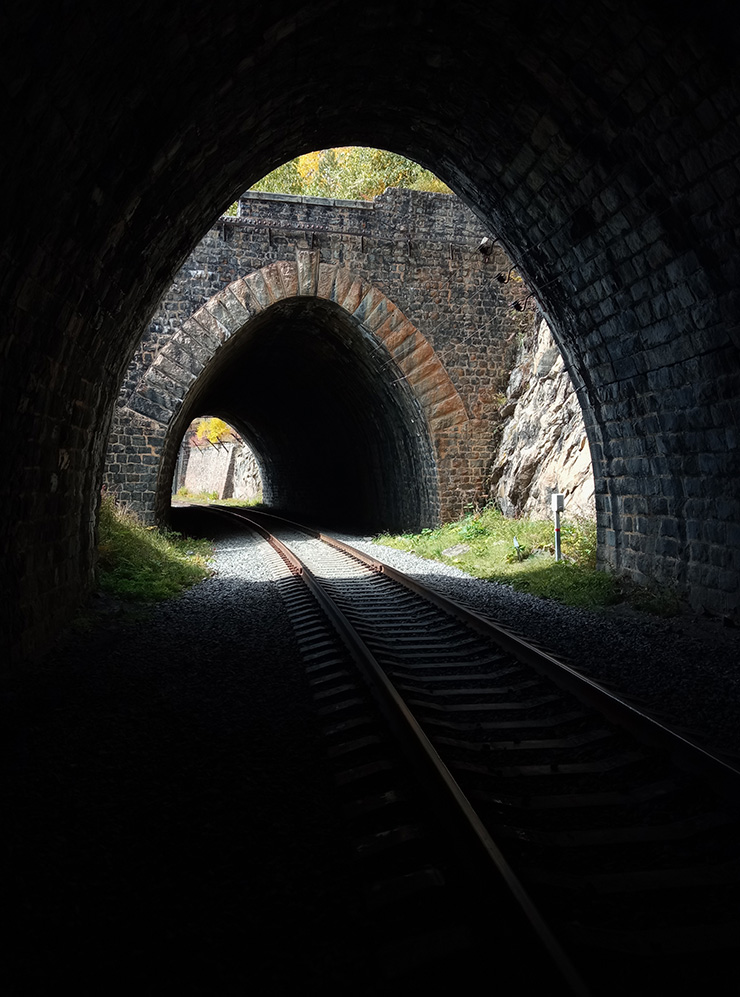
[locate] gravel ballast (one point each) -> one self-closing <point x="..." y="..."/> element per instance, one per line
<point x="685" y="668"/>
<point x="172" y="826"/>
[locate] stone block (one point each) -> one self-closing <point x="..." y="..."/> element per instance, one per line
<point x="307" y="263"/>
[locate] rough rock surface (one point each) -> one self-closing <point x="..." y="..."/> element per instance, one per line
<point x="247" y="480"/>
<point x="543" y="447"/>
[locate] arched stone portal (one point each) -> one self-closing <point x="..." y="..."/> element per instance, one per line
<point x="600" y="141"/>
<point x="346" y="404"/>
<point x="341" y="440"/>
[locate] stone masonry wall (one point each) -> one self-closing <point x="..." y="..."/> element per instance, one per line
<point x="418" y="249"/>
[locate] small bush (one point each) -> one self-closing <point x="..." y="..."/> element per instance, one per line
<point x="472" y="527"/>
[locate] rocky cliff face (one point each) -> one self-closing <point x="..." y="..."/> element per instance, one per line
<point x="543" y="446"/>
<point x="247" y="480"/>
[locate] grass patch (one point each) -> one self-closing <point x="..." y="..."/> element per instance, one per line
<point x="521" y="553"/>
<point x="240" y="503"/>
<point x="198" y="498"/>
<point x="208" y="498"/>
<point x="141" y="563"/>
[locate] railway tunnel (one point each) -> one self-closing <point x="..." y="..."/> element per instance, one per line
<point x="337" y="430"/>
<point x="600" y="142"/>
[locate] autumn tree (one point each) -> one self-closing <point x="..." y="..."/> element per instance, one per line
<point x="210" y="429"/>
<point x="352" y="172"/>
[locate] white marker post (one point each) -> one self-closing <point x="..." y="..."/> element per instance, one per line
<point x="558" y="504"/>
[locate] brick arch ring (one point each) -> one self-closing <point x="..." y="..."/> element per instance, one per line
<point x="161" y="393"/>
<point x="198" y="339"/>
<point x="158" y="402"/>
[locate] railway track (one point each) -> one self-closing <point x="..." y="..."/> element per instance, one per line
<point x="520" y="820"/>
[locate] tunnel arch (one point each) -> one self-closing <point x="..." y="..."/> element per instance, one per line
<point x="600" y="142"/>
<point x="368" y="353"/>
<point x="338" y="442"/>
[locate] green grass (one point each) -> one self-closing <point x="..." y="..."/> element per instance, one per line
<point x="240" y="503"/>
<point x="141" y="563"/>
<point x="198" y="498"/>
<point x="207" y="498"/>
<point x="492" y="555"/>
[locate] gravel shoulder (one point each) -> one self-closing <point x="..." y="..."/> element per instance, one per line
<point x="171" y="826"/>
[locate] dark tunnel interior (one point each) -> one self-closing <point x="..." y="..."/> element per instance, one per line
<point x="341" y="440"/>
<point x="599" y="142"/>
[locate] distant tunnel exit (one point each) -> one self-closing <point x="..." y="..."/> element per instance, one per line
<point x="215" y="462"/>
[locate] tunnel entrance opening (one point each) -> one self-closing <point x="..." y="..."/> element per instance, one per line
<point x="603" y="148"/>
<point x="465" y="337"/>
<point x="340" y="438"/>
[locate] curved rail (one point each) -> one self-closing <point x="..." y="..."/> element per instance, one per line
<point x="451" y="803"/>
<point x="601" y="821"/>
<point x="724" y="777"/>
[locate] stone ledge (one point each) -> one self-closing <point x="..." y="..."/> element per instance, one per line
<point x="331" y="202"/>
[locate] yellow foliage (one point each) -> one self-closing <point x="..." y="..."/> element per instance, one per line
<point x="353" y="172"/>
<point x="308" y="164"/>
<point x="214" y="430"/>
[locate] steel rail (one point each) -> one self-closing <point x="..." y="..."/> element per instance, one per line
<point x="685" y="753"/>
<point x="455" y="808"/>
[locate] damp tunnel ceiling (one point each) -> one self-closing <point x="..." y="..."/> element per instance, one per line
<point x="600" y="141"/>
<point x="340" y="437"/>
